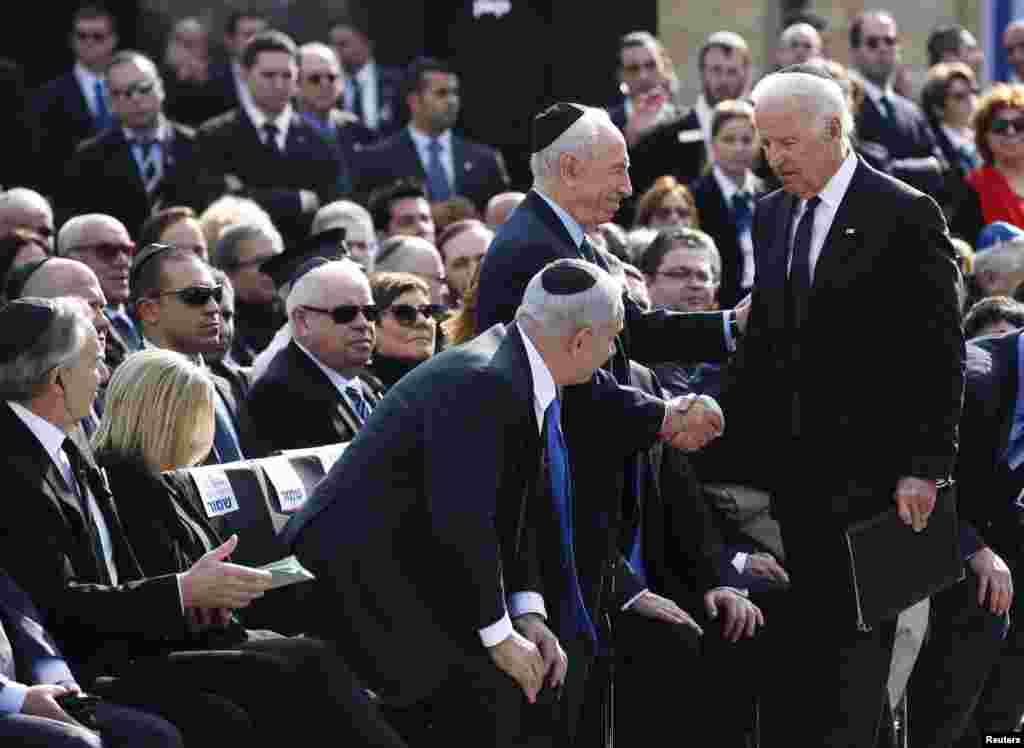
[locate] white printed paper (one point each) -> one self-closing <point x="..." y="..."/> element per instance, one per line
<point x="291" y="492"/>
<point x="215" y="489"/>
<point x="329" y="455"/>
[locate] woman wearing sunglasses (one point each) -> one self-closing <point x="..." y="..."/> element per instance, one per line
<point x="949" y="99"/>
<point x="995" y="189"/>
<point x="406" y="327"/>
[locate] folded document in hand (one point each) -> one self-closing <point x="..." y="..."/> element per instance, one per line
<point x="287" y="571"/>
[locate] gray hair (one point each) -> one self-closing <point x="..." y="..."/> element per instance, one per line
<point x="317" y="48"/>
<point x="225" y="253"/>
<point x="564" y="315"/>
<point x="340" y="211"/>
<point x="21" y="198"/>
<point x="313" y="287"/>
<point x="1004" y="258"/>
<point x="818" y="95"/>
<point x="798" y="29"/>
<point x="25" y="377"/>
<point x="579" y="141"/>
<point x="70" y="234"/>
<point x="395" y="251"/>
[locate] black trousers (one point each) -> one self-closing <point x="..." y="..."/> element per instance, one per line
<point x="120" y="727"/>
<point x="283" y="684"/>
<point x="962" y="644"/>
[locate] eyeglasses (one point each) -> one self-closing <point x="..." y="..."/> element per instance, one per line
<point x="874" y="42"/>
<point x="316" y="78"/>
<point x="407" y="314"/>
<point x="1007" y="125"/>
<point x="135" y="90"/>
<point x="107" y="251"/>
<point x="344" y="314"/>
<point x="684" y="274"/>
<point x="196" y="295"/>
<point x="92" y="36"/>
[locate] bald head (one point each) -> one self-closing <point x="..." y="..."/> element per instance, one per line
<point x="22" y="208"/>
<point x="798" y="43"/>
<point x="500" y="207"/>
<point x="321" y="82"/>
<point x="103" y="243"/>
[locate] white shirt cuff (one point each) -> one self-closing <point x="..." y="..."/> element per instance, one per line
<point x="730" y="341"/>
<point x="53" y="670"/>
<point x="739" y="562"/>
<point x="633" y="599"/>
<point x="497" y="632"/>
<point x="12" y="697"/>
<point x="181" y="597"/>
<point x="521" y="603"/>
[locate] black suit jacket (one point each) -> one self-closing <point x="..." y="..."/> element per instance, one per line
<point x="61" y="118"/>
<point x="479" y="169"/>
<point x="229" y="144"/>
<point x="675" y="148"/>
<point x="432" y="475"/>
<point x="47" y="549"/>
<point x="294" y="405"/>
<point x="986" y="488"/>
<point x="716" y="219"/>
<point x="906" y="137"/>
<point x="883" y="291"/>
<point x="103" y="177"/>
<point x="391" y="109"/>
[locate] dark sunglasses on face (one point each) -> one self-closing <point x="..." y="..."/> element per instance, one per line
<point x="197" y="295"/>
<point x="91" y="36"/>
<point x="344" y="314"/>
<point x="874" y="42"/>
<point x="107" y="251"/>
<point x="316" y="78"/>
<point x="1007" y="126"/>
<point x="407" y="314"/>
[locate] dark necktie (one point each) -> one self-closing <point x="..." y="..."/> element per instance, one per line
<point x="887" y="107"/>
<point x="150" y="164"/>
<point x="270" y="138"/>
<point x="80" y="472"/>
<point x="587" y="253"/>
<point x="742" y="213"/>
<point x="357" y="98"/>
<point x="573" y="607"/>
<point x="968" y="157"/>
<point x="437" y="178"/>
<point x="125" y="327"/>
<point x="359" y="403"/>
<point x="102" y="118"/>
<point x="800" y="267"/>
<point x="225" y="441"/>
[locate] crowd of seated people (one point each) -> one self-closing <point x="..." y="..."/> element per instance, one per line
<point x="217" y="261"/>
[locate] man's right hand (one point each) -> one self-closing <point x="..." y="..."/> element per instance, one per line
<point x="556" y="662"/>
<point x="995" y="584"/>
<point x="691" y="425"/>
<point x="213" y="583"/>
<point x="520" y="659"/>
<point x="41" y="701"/>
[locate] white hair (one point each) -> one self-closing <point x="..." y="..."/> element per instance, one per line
<point x="22" y="198"/>
<point x="340" y="211"/>
<point x="799" y="29"/>
<point x="318" y="49"/>
<point x="579" y="141"/>
<point x="816" y="95"/>
<point x="563" y="315"/>
<point x="313" y="288"/>
<point x="1004" y="258"/>
<point x="70" y="234"/>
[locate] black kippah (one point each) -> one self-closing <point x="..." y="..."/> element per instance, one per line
<point x="566" y="279"/>
<point x="23" y="321"/>
<point x="307" y="267"/>
<point x="552" y="122"/>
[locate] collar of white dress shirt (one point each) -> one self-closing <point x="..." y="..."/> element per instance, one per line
<point x="729" y="188"/>
<point x="160" y="134"/>
<point x="422" y="141"/>
<point x="575" y="230"/>
<point x="86" y="78"/>
<point x="366" y="74"/>
<point x="705" y="113"/>
<point x="339" y="382"/>
<point x="959" y="138"/>
<point x="873" y="91"/>
<point x="544" y="388"/>
<point x="282" y="120"/>
<point x="831" y="196"/>
<point x="50" y="436"/>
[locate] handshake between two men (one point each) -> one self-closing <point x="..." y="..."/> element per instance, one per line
<point x="532" y="654"/>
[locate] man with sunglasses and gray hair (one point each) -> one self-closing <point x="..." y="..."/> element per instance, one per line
<point x="177" y="303"/>
<point x="312" y="392"/>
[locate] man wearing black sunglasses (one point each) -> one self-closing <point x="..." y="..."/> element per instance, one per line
<point x="312" y="392"/>
<point x="177" y="303"/>
<point x="886" y="118"/>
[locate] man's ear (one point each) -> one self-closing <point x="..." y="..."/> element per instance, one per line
<point x="579" y="342"/>
<point x="568" y="167"/>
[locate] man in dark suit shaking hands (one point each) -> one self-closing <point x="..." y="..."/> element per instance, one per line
<point x="839" y="288"/>
<point x="456" y="498"/>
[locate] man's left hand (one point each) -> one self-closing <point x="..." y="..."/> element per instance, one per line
<point x="915" y="500"/>
<point x="556" y="664"/>
<point x="741" y="617"/>
<point x="662" y="609"/>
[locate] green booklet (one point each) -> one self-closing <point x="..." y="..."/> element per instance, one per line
<point x="287" y="571"/>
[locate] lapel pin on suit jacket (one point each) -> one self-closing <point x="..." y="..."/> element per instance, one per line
<point x="468" y="166"/>
<point x="851" y="233"/>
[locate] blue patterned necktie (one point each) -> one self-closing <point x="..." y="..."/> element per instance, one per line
<point x="359" y="403"/>
<point x="357" y="98"/>
<point x="573" y="606"/>
<point x="102" y="118"/>
<point x="887" y="109"/>
<point x="270" y="132"/>
<point x="742" y="213"/>
<point x="437" y="178"/>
